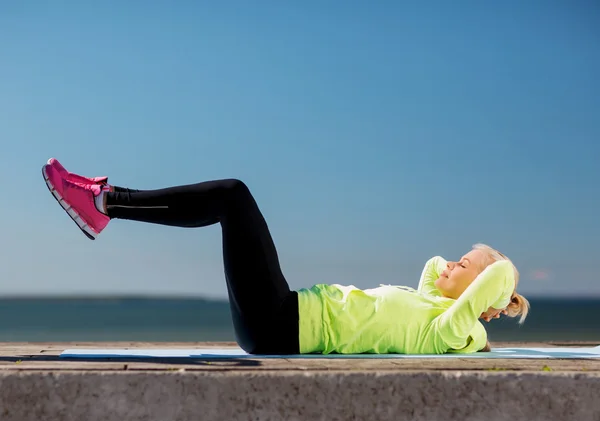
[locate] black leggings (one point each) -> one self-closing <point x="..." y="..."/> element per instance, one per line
<point x="264" y="310"/>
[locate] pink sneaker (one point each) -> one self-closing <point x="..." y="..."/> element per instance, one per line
<point x="77" y="199"/>
<point x="75" y="177"/>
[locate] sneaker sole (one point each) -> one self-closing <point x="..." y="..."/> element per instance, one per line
<point x="83" y="226"/>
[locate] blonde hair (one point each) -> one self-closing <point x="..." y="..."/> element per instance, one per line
<point x="518" y="306"/>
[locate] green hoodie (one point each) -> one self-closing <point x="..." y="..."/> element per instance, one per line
<point x="395" y="319"/>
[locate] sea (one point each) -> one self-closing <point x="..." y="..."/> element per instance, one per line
<point x="78" y="319"/>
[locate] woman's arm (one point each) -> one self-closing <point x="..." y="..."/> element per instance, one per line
<point x="433" y="268"/>
<point x="492" y="288"/>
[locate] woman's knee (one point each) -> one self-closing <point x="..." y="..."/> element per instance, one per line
<point x="235" y="186"/>
<point x="236" y="191"/>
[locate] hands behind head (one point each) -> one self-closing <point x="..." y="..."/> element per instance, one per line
<point x="492" y="313"/>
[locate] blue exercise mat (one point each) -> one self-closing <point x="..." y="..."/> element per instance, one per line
<point x="237" y="353"/>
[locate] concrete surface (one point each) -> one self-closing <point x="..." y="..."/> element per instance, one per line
<point x="36" y="385"/>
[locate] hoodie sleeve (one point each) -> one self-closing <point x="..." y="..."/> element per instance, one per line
<point x="431" y="272"/>
<point x="492" y="288"/>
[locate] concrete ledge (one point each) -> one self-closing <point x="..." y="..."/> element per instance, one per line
<point x="36" y="384"/>
<point x="272" y="395"/>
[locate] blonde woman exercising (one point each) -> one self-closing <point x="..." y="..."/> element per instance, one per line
<point x="440" y="316"/>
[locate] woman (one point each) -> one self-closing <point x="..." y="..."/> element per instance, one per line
<point x="441" y="316"/>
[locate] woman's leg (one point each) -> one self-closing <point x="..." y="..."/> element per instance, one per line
<point x="264" y="310"/>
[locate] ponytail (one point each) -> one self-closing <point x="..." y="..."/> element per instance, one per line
<point x="519" y="306"/>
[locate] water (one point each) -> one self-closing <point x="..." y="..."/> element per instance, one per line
<point x="190" y="320"/>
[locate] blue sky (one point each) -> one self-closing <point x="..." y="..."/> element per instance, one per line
<point x="373" y="135"/>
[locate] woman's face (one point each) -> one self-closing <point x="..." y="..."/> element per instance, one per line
<point x="459" y="275"/>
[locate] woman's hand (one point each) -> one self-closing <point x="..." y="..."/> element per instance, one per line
<point x="492" y="313"/>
